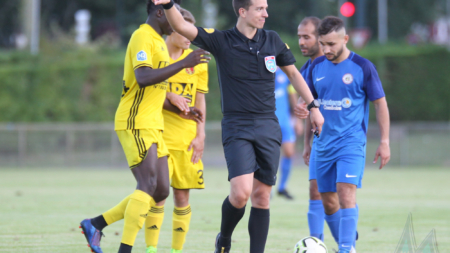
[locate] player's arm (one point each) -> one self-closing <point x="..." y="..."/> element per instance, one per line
<point x="177" y="22"/>
<point x="146" y="76"/>
<point x="198" y="143"/>
<point x="382" y="113"/>
<point x="293" y="98"/>
<point x="303" y="90"/>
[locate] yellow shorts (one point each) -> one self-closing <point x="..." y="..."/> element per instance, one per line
<point x="136" y="142"/>
<point x="183" y="173"/>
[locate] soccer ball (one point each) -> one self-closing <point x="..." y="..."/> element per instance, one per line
<point x="310" y="244"/>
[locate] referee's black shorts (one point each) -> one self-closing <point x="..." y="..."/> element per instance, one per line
<point x="250" y="145"/>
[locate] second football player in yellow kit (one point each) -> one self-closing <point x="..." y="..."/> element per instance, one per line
<point x="185" y="142"/>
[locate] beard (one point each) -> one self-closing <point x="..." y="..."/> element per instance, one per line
<point x="312" y="51"/>
<point x="335" y="56"/>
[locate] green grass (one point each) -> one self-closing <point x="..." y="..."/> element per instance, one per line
<point x="40" y="210"/>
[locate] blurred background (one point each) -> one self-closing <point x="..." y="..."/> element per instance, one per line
<point x="61" y="67"/>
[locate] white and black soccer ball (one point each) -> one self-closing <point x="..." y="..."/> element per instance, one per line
<point x="310" y="244"/>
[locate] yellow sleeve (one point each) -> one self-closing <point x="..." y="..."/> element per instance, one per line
<point x="141" y="50"/>
<point x="291" y="89"/>
<point x="202" y="85"/>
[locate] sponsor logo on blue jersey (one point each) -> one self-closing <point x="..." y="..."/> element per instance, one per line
<point x="335" y="105"/>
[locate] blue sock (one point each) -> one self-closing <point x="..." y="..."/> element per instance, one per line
<point x="285" y="172"/>
<point x="347" y="229"/>
<point x="333" y="222"/>
<point x="316" y="217"/>
<point x="357" y="217"/>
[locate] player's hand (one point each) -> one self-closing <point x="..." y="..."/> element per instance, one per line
<point x="300" y="111"/>
<point x="306" y="154"/>
<point x="384" y="152"/>
<point x="317" y="121"/>
<point x="158" y="2"/>
<point x="198" y="145"/>
<point x="196" y="57"/>
<point x="179" y="101"/>
<point x="193" y="114"/>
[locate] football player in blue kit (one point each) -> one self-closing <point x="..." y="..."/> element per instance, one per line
<point x="286" y="98"/>
<point x="343" y="83"/>
<point x="308" y="36"/>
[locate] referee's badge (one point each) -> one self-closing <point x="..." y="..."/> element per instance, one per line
<point x="271" y="63"/>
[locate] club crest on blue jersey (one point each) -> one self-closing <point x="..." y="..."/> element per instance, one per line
<point x="271" y="63"/>
<point x="347" y="78"/>
<point x="142" y="56"/>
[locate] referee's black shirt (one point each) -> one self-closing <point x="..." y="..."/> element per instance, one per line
<point x="247" y="86"/>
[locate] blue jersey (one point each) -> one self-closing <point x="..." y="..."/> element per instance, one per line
<point x="282" y="96"/>
<point x="344" y="91"/>
<point x="305" y="71"/>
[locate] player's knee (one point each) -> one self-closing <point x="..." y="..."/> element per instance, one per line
<point x="239" y="199"/>
<point x="261" y="199"/>
<point x="330" y="206"/>
<point x="181" y="198"/>
<point x="147" y="185"/>
<point x="289" y="153"/>
<point x="314" y="193"/>
<point x="161" y="194"/>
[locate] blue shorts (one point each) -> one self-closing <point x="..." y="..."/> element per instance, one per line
<point x="343" y="169"/>
<point x="287" y="130"/>
<point x="312" y="164"/>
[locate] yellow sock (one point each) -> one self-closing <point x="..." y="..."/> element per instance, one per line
<point x="116" y="213"/>
<point x="135" y="215"/>
<point x="180" y="224"/>
<point x="153" y="225"/>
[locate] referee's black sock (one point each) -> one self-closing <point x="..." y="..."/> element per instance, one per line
<point x="230" y="218"/>
<point x="124" y="248"/>
<point x="258" y="228"/>
<point x="99" y="222"/>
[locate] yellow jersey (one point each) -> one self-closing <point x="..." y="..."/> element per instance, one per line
<point x="179" y="132"/>
<point x="141" y="108"/>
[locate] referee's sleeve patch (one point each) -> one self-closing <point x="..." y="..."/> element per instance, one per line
<point x="141" y="56"/>
<point x="287" y="46"/>
<point x="209" y="30"/>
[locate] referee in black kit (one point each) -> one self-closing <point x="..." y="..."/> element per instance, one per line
<point x="247" y="57"/>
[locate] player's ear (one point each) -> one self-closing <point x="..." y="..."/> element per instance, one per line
<point x="346" y="38"/>
<point x="159" y="13"/>
<point x="242" y="12"/>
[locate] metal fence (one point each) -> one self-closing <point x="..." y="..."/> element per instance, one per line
<point x="91" y="145"/>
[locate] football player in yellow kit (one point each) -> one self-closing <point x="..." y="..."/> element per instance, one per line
<point x="185" y="142"/>
<point x="139" y="125"/>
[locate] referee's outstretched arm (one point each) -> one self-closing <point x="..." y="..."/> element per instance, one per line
<point x="303" y="90"/>
<point x="177" y="21"/>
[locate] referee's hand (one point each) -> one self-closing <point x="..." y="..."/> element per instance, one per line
<point x="193" y="114"/>
<point x="317" y="120"/>
<point x="196" y="57"/>
<point x="158" y="2"/>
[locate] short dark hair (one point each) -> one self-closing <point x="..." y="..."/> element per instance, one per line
<point x="315" y="21"/>
<point x="238" y="4"/>
<point x="151" y="7"/>
<point x="187" y="15"/>
<point x="330" y="24"/>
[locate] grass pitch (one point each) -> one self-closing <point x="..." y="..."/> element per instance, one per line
<point x="41" y="209"/>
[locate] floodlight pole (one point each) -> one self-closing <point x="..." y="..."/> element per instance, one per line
<point x="382" y="21"/>
<point x="35" y="26"/>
